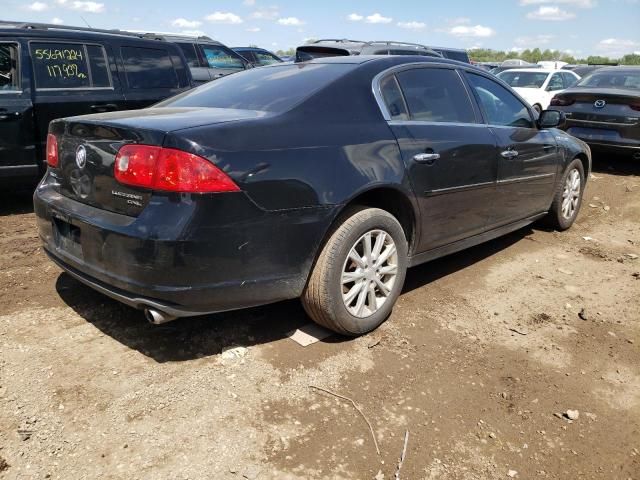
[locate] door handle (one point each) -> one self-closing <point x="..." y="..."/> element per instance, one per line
<point x="105" y="107"/>
<point x="427" y="158"/>
<point x="548" y="148"/>
<point x="509" y="154"/>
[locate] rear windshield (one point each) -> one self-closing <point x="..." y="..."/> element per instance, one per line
<point x="270" y="89"/>
<point x="524" y="79"/>
<point x="612" y="80"/>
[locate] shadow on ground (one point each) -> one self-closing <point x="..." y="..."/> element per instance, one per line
<point x="15" y="202"/>
<point x="196" y="337"/>
<point x="615" y="164"/>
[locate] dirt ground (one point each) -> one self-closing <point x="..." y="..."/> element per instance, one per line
<point x="482" y="357"/>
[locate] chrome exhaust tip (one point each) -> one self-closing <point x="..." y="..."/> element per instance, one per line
<point x="157" y="317"/>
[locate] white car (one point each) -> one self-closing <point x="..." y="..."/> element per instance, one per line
<point x="538" y="85"/>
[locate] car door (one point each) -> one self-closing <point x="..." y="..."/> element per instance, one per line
<point x="71" y="78"/>
<point x="528" y="157"/>
<point x="17" y="151"/>
<point x="449" y="154"/>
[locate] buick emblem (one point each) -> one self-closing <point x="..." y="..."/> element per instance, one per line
<point x="599" y="103"/>
<point x="81" y="156"/>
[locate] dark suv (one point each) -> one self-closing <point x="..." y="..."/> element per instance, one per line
<point x="343" y="47"/>
<point x="207" y="58"/>
<point x="50" y="71"/>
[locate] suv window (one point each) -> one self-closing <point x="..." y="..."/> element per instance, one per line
<point x="9" y="72"/>
<point x="69" y="66"/>
<point x="500" y="106"/>
<point x="148" y="68"/>
<point x="220" y="57"/>
<point x="393" y="98"/>
<point x="436" y="95"/>
<point x="189" y="50"/>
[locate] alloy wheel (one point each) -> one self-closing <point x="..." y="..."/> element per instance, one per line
<point x="369" y="273"/>
<point x="571" y="194"/>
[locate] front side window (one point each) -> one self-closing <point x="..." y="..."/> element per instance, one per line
<point x="556" y="82"/>
<point x="220" y="57"/>
<point x="569" y="79"/>
<point x="9" y="71"/>
<point x="436" y="95"/>
<point x="500" y="106"/>
<point x="265" y="58"/>
<point x="393" y="98"/>
<point x="148" y="68"/>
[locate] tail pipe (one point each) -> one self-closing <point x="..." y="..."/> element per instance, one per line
<point x="157" y="317"/>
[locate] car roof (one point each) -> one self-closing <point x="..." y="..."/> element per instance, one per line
<point x="622" y="69"/>
<point x="388" y="59"/>
<point x="533" y="70"/>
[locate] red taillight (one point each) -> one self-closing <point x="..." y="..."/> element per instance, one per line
<point x="562" y="101"/>
<point x="635" y="106"/>
<point x="52" y="150"/>
<point x="170" y="170"/>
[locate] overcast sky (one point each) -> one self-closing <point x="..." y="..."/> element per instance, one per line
<point x="581" y="27"/>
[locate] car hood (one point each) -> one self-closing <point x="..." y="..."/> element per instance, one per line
<point x="170" y="119"/>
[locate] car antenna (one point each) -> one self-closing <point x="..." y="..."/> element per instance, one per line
<point x="83" y="19"/>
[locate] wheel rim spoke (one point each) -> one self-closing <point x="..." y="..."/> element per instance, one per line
<point x="369" y="273"/>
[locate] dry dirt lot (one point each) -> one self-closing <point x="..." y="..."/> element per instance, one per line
<point x="483" y="354"/>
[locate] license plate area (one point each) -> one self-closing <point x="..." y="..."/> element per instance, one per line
<point x="67" y="237"/>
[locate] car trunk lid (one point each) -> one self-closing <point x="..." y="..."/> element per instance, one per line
<point x="88" y="145"/>
<point x="602" y="106"/>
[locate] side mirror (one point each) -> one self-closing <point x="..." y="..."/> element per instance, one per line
<point x="551" y="119"/>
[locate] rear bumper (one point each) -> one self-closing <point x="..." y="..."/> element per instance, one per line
<point x="622" y="140"/>
<point x="187" y="257"/>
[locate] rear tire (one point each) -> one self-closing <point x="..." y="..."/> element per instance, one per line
<point x="359" y="273"/>
<point x="568" y="197"/>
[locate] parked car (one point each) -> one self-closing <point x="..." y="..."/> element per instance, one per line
<point x="538" y="86"/>
<point x="344" y="47"/>
<point x="603" y="109"/>
<point x="258" y="57"/>
<point x="208" y="59"/>
<point x="324" y="179"/>
<point x="453" y="53"/>
<point x="582" y="70"/>
<point x="51" y="71"/>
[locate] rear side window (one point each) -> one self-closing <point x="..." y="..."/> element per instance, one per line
<point x="69" y="66"/>
<point x="436" y="95"/>
<point x="220" y="57"/>
<point x="189" y="51"/>
<point x="9" y="71"/>
<point x="271" y="89"/>
<point x="148" y="68"/>
<point x="393" y="98"/>
<point x="500" y="106"/>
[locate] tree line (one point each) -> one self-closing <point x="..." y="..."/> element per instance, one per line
<point x="535" y="55"/>
<point x="530" y="55"/>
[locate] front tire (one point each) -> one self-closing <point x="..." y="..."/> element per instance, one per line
<point x="359" y="273"/>
<point x="568" y="197"/>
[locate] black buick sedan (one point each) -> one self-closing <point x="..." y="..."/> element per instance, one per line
<point x="323" y="180"/>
